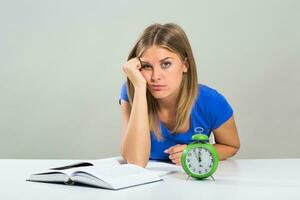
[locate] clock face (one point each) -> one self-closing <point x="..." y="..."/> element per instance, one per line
<point x="199" y="160"/>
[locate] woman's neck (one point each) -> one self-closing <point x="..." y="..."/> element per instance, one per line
<point x="168" y="103"/>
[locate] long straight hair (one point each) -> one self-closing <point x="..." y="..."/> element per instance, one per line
<point x="171" y="37"/>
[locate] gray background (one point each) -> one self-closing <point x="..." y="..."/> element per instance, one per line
<point x="60" y="71"/>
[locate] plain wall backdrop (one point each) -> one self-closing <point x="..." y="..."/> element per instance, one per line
<point x="60" y="71"/>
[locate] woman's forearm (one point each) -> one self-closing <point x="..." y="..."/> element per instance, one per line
<point x="136" y="139"/>
<point x="225" y="151"/>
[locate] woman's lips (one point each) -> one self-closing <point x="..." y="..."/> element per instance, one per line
<point x="157" y="87"/>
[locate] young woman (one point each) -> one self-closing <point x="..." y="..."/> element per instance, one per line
<point x="163" y="105"/>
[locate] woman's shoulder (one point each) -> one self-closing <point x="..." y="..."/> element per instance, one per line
<point x="214" y="105"/>
<point x="124" y="95"/>
<point x="205" y="91"/>
<point x="208" y="95"/>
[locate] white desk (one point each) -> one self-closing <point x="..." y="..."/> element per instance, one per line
<point x="235" y="179"/>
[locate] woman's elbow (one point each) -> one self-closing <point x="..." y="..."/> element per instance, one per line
<point x="140" y="163"/>
<point x="135" y="159"/>
<point x="236" y="148"/>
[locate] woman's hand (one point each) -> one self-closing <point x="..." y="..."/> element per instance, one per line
<point x="132" y="70"/>
<point x="175" y="153"/>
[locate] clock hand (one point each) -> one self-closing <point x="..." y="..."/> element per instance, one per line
<point x="195" y="153"/>
<point x="199" y="156"/>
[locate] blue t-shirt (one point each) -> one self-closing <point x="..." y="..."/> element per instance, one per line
<point x="210" y="111"/>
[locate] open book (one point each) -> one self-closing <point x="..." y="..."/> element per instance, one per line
<point x="104" y="173"/>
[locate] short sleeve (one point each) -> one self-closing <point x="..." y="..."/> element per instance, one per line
<point x="123" y="95"/>
<point x="220" y="110"/>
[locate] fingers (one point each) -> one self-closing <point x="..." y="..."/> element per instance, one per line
<point x="140" y="63"/>
<point x="175" y="153"/>
<point x="176" y="159"/>
<point x="131" y="64"/>
<point x="132" y="70"/>
<point x="175" y="149"/>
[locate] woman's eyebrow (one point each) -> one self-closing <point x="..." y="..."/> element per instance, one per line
<point x="165" y="59"/>
<point x="160" y="60"/>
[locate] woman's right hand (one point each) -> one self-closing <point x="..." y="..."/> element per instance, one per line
<point x="132" y="70"/>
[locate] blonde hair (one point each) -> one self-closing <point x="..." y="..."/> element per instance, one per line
<point x="171" y="37"/>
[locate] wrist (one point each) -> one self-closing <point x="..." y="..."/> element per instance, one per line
<point x="140" y="88"/>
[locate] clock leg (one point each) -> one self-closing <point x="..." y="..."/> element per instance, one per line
<point x="188" y="177"/>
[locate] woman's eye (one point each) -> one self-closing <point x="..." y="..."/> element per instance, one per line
<point x="146" y="66"/>
<point x="165" y="65"/>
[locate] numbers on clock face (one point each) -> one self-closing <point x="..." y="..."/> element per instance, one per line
<point x="199" y="160"/>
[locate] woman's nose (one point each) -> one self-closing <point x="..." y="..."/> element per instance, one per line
<point x="156" y="75"/>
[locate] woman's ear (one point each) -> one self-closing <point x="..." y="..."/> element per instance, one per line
<point x="185" y="65"/>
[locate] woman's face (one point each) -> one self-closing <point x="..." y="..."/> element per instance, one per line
<point x="163" y="71"/>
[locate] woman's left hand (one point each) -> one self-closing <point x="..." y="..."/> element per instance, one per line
<point x="175" y="153"/>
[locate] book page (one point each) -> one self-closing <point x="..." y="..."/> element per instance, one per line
<point x="163" y="168"/>
<point x="49" y="177"/>
<point x="106" y="161"/>
<point x="72" y="167"/>
<point x="97" y="164"/>
<point x="109" y="173"/>
<point x="119" y="176"/>
<point x="87" y="163"/>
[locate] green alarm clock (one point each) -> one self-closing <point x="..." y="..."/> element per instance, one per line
<point x="200" y="158"/>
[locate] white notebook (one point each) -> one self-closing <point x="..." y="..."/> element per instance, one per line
<point x="107" y="173"/>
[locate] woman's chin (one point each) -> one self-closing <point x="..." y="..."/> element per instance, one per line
<point x="158" y="94"/>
